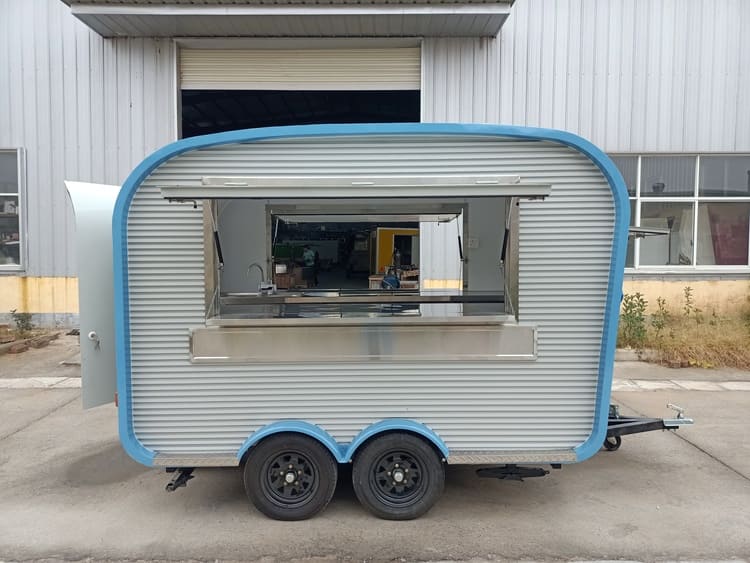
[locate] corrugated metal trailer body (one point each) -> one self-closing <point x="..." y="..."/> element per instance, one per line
<point x="551" y="409"/>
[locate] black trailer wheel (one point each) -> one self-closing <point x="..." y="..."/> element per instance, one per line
<point x="398" y="476"/>
<point x="612" y="443"/>
<point x="290" y="477"/>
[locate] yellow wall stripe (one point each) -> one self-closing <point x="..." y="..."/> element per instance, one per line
<point x="725" y="297"/>
<point x="39" y="294"/>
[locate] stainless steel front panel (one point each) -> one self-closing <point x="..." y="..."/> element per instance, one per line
<point x="342" y="340"/>
<point x="543" y="405"/>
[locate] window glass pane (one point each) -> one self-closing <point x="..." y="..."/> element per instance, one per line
<point x="676" y="248"/>
<point x="628" y="166"/>
<point x="723" y="233"/>
<point x="663" y="176"/>
<point x="630" y="256"/>
<point x="9" y="233"/>
<point x="725" y="176"/>
<point x="8" y="173"/>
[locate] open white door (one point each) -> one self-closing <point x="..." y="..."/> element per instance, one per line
<point x="93" y="205"/>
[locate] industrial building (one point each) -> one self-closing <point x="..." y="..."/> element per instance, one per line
<point x="89" y="88"/>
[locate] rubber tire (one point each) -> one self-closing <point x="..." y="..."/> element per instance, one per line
<point x="612" y="444"/>
<point x="372" y="452"/>
<point x="273" y="446"/>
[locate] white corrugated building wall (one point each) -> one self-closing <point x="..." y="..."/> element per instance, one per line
<point x="636" y="77"/>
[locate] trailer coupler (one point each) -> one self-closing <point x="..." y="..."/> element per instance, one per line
<point x="512" y="472"/>
<point x="618" y="425"/>
<point x="181" y="478"/>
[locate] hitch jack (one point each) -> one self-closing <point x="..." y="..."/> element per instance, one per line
<point x="182" y="476"/>
<point x="514" y="472"/>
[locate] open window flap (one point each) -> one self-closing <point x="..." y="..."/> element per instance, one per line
<point x="643" y="232"/>
<point x="511" y="256"/>
<point x="93" y="205"/>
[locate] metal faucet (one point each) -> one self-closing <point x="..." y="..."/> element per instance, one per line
<point x="262" y="273"/>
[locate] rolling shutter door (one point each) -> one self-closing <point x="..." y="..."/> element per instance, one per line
<point x="303" y="69"/>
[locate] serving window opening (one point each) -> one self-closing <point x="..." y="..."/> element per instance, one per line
<point x="377" y="258"/>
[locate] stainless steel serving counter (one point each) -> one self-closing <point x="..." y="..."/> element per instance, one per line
<point x="235" y="307"/>
<point x="327" y="321"/>
<point x="332" y="340"/>
<point x="336" y="297"/>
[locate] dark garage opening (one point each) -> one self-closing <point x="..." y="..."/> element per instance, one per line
<point x="213" y="111"/>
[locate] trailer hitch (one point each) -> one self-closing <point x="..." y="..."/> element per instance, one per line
<point x="618" y="425"/>
<point x="512" y="472"/>
<point x="181" y="478"/>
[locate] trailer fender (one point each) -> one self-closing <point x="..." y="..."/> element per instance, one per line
<point x="297" y="427"/>
<point x="391" y="425"/>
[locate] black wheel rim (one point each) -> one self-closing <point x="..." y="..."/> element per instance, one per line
<point x="398" y="479"/>
<point x="290" y="479"/>
<point x="612" y="443"/>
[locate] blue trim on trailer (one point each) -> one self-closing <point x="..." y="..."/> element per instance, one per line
<point x="617" y="266"/>
<point x="296" y="427"/>
<point x="614" y="296"/>
<point x="343" y="453"/>
<point x="393" y="425"/>
<point x="129" y="440"/>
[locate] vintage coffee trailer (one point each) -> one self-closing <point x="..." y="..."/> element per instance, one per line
<point x="501" y="358"/>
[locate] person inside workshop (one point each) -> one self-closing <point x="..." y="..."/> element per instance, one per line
<point x="311" y="260"/>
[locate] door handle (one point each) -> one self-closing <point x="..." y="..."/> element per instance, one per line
<point x="94" y="338"/>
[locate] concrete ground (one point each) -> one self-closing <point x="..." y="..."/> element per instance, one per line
<point x="60" y="358"/>
<point x="69" y="492"/>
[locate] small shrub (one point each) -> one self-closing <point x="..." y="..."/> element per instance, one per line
<point x="660" y="318"/>
<point x="23" y="322"/>
<point x="633" y="320"/>
<point x="714" y="318"/>
<point x="689" y="309"/>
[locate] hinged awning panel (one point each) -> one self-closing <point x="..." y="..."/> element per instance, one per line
<point x="280" y="187"/>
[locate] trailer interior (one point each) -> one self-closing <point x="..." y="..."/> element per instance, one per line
<point x="306" y="258"/>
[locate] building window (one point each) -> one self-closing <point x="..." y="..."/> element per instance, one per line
<point x="628" y="166"/>
<point x="701" y="201"/>
<point x="10" y="209"/>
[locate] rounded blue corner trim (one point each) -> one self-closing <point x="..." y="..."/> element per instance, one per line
<point x="296" y="426"/>
<point x="150" y="163"/>
<point x="395" y="424"/>
<point x="614" y="296"/>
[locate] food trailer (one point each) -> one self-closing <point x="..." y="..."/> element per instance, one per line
<point x="502" y="357"/>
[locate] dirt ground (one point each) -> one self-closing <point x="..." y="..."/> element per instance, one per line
<point x="47" y="361"/>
